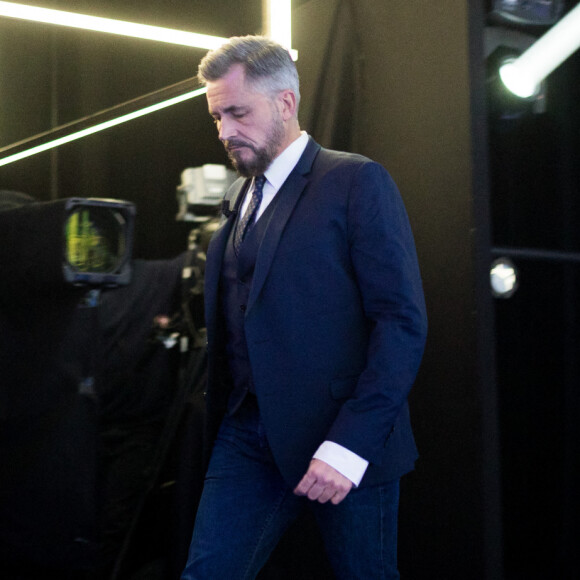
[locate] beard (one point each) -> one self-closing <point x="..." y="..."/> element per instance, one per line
<point x="262" y="156"/>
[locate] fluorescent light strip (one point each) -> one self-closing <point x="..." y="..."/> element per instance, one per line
<point x="74" y="20"/>
<point x="102" y="126"/>
<point x="523" y="75"/>
<point x="278" y="22"/>
<point x="123" y="28"/>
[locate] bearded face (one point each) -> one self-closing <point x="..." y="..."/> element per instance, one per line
<point x="253" y="158"/>
<point x="249" y="121"/>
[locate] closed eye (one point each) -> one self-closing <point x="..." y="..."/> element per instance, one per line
<point x="236" y="112"/>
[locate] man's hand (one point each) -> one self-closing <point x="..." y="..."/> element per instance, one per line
<point x="322" y="483"/>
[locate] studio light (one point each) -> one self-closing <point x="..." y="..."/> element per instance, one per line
<point x="110" y="26"/>
<point x="501" y="102"/>
<point x="49" y="246"/>
<point x="523" y="75"/>
<point x="97" y="241"/>
<point x="278" y="9"/>
<point x="529" y="12"/>
<point x="503" y="278"/>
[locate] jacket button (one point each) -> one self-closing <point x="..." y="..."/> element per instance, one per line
<point x="243" y="307"/>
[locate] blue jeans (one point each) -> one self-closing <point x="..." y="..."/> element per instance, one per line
<point x="246" y="507"/>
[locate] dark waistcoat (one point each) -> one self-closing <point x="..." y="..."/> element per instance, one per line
<point x="236" y="281"/>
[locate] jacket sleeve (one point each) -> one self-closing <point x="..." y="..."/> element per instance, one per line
<point x="384" y="259"/>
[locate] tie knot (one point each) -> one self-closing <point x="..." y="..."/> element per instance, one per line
<point x="259" y="182"/>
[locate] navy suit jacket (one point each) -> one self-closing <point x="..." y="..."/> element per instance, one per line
<point x="335" y="321"/>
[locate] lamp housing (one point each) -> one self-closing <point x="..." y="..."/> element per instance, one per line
<point x="75" y="242"/>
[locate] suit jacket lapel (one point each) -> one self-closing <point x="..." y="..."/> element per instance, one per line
<point x="288" y="196"/>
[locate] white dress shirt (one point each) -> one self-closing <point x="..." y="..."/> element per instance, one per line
<point x="344" y="461"/>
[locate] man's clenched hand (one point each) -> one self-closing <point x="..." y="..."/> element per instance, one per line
<point x="323" y="483"/>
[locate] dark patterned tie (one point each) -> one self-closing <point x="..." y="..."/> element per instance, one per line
<point x="248" y="218"/>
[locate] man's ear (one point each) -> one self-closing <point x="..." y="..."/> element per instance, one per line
<point x="287" y="104"/>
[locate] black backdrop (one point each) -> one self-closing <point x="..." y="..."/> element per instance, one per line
<point x="535" y="203"/>
<point x="402" y="82"/>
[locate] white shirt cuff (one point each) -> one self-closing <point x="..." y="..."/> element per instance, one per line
<point x="344" y="461"/>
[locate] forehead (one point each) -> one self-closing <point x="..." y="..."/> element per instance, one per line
<point x="231" y="91"/>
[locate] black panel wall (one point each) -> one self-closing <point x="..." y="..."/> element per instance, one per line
<point x="535" y="202"/>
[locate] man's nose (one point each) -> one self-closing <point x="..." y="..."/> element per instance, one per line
<point x="226" y="130"/>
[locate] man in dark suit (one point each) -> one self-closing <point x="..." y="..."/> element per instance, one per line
<point x="316" y="327"/>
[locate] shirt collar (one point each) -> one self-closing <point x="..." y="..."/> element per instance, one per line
<point x="283" y="165"/>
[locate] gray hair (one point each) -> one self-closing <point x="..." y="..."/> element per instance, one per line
<point x="267" y="64"/>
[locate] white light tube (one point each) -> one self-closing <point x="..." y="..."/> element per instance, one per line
<point x="145" y="31"/>
<point x="278" y="22"/>
<point x="523" y="75"/>
<point x="102" y="126"/>
<point x="108" y="25"/>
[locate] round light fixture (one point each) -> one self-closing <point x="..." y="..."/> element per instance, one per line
<point x="504" y="278"/>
